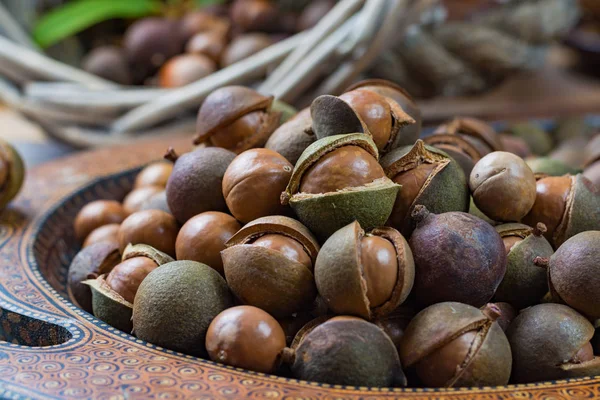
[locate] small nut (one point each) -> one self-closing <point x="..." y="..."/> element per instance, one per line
<point x="96" y="214"/>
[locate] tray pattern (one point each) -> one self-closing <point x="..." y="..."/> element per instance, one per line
<point x="51" y="349"/>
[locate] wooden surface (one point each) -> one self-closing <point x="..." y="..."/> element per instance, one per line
<point x="50" y="349"/>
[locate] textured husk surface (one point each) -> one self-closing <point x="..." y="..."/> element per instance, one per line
<point x="109" y="306"/>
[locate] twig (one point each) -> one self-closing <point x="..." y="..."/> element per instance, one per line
<point x="328" y="24"/>
<point x="44" y="67"/>
<point x="192" y="95"/>
<point x="13" y="30"/>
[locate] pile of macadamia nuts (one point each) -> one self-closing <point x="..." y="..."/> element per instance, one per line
<point x="342" y="245"/>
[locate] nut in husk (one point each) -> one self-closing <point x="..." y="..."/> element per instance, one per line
<point x="113" y="293"/>
<point x="360" y="110"/>
<point x="573" y="273"/>
<point x="12" y="173"/>
<point x="92" y="261"/>
<point x="364" y="274"/>
<point x="336" y="181"/>
<point x="549" y="342"/>
<point x="429" y="177"/>
<point x="236" y="118"/>
<point x="524" y="283"/>
<point x="348" y="351"/>
<point x="269" y="264"/>
<point x="409" y="133"/>
<point x="458" y="257"/>
<point x="567" y="205"/>
<point x="293" y="137"/>
<point x="176" y="303"/>
<point x="453" y="345"/>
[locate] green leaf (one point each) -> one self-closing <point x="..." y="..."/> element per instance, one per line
<point x="78" y="15"/>
<point x="205" y="3"/>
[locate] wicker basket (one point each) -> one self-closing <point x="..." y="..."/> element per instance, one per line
<point x="410" y="42"/>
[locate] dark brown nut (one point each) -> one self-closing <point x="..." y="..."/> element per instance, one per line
<point x="253" y="183"/>
<point x="312" y="14"/>
<point x="94" y="260"/>
<point x="293" y="137"/>
<point x="12" y="173"/>
<point x="236" y="118"/>
<point x="360" y="110"/>
<point x="210" y="44"/>
<point x="346" y="351"/>
<point x="202" y="22"/>
<point x="96" y="214"/>
<point x="466" y="140"/>
<point x="104" y="233"/>
<point x="185" y="69"/>
<point x="203" y="237"/>
<point x="175" y="304"/>
<point x="524" y="283"/>
<point x="550" y="166"/>
<point x="567" y="205"/>
<point x="364" y="274"/>
<point x="551" y="341"/>
<point x="246" y="337"/>
<point x="113" y="294"/>
<point x="154" y="174"/>
<point x="429" y="177"/>
<point x="515" y="145"/>
<point x="507" y="315"/>
<point x="269" y="264"/>
<point x="573" y="273"/>
<point x="538" y="140"/>
<point x="254" y="15"/>
<point x="454" y="345"/>
<point x="336" y="181"/>
<point x="134" y="201"/>
<point x="151" y="227"/>
<point x="148" y="44"/>
<point x="108" y="62"/>
<point x="409" y="133"/>
<point x="458" y="257"/>
<point x="503" y="186"/>
<point x="195" y="185"/>
<point x="244" y="46"/>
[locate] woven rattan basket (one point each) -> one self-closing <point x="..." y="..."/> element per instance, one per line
<point x="412" y="42"/>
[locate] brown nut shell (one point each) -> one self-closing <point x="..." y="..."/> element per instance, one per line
<point x="154" y="174"/>
<point x="409" y="133"/>
<point x="253" y="183"/>
<point x="503" y="186"/>
<point x="544" y="340"/>
<point x="96" y="214"/>
<point x="244" y="46"/>
<point x="267" y="278"/>
<point x="126" y="277"/>
<point x="333" y="116"/>
<point x="12" y="173"/>
<point x="225" y="105"/>
<point x="473" y="128"/>
<point x="341" y="276"/>
<point x="152" y="227"/>
<point x="209" y="43"/>
<point x="203" y="237"/>
<point x="134" y="201"/>
<point x="109" y="306"/>
<point x="246" y="337"/>
<point x="467" y="349"/>
<point x="105" y="233"/>
<point x="184" y="69"/>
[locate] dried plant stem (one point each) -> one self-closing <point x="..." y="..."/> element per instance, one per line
<point x="13" y="30"/>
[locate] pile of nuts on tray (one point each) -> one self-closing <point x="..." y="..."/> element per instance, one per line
<point x="336" y="246"/>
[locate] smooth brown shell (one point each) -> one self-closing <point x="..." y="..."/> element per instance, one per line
<point x="96" y="214"/>
<point x="246" y="337"/>
<point x="105" y="233"/>
<point x="185" y="69"/>
<point x="293" y="137"/>
<point x="210" y="43"/>
<point x="253" y="183"/>
<point x="203" y="237"/>
<point x="503" y="186"/>
<point x="151" y="227"/>
<point x="225" y="105"/>
<point x="126" y="277"/>
<point x="340" y="275"/>
<point x="154" y="174"/>
<point x="134" y="201"/>
<point x="244" y="46"/>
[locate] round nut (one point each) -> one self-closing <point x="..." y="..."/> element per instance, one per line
<point x="96" y="214"/>
<point x="152" y="227"/>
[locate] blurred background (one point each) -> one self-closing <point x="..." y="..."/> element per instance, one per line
<point x="77" y="74"/>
